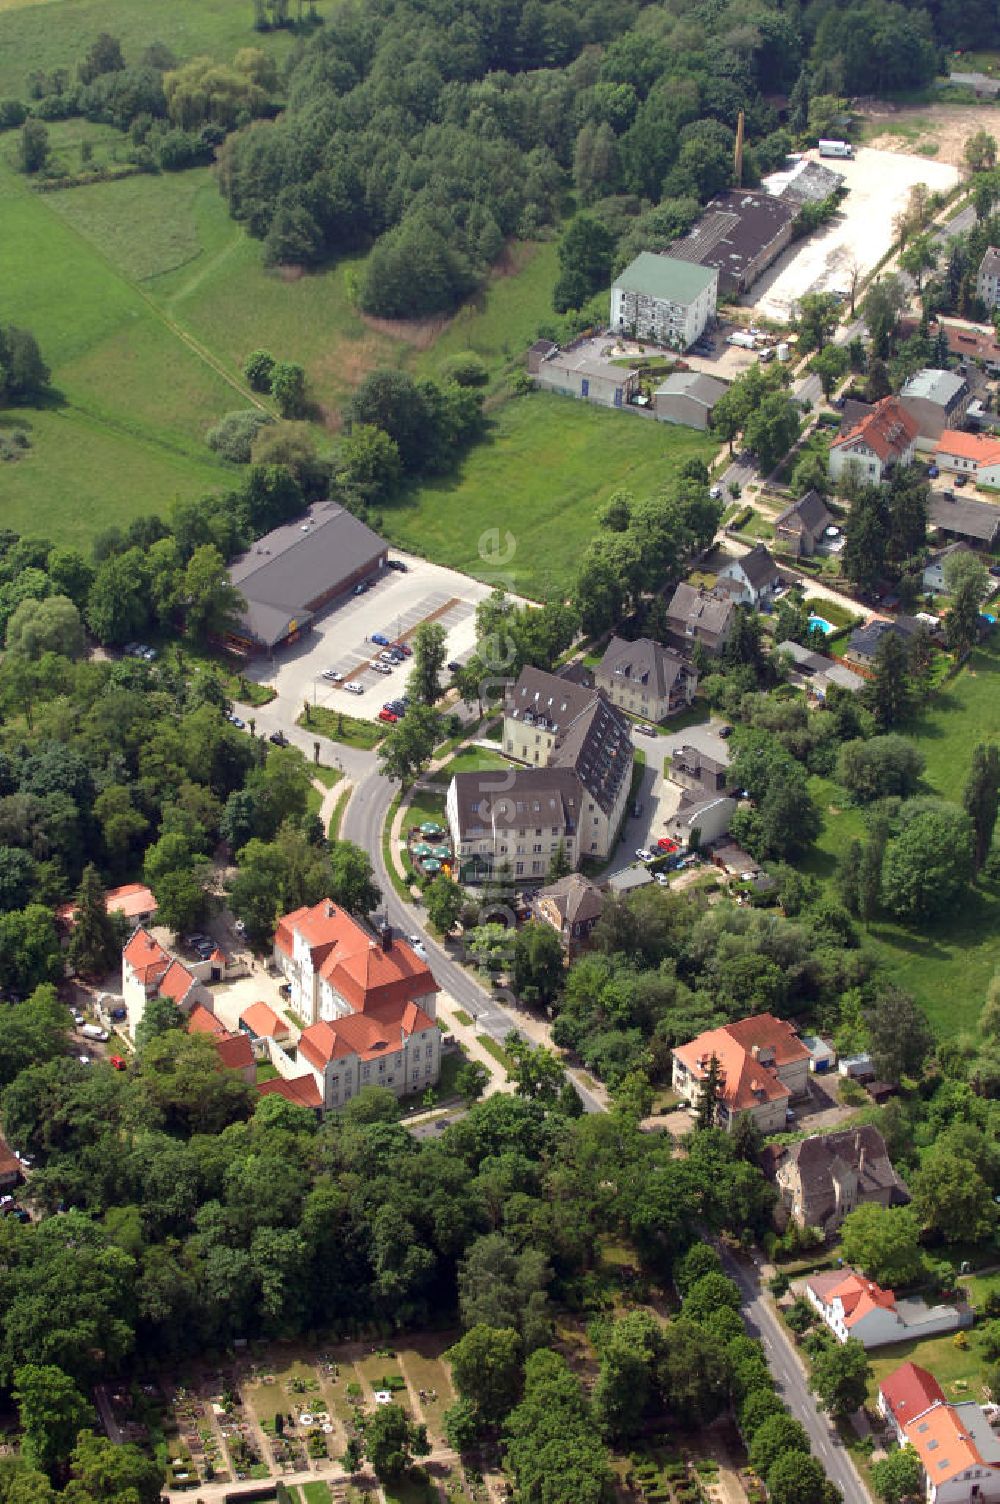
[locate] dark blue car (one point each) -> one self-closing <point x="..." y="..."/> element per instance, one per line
<point x="381" y="639"/>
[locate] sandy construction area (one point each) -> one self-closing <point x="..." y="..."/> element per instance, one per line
<point x="878" y="185"/>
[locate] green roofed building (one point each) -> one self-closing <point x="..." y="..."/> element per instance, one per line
<point x="667" y="301"/>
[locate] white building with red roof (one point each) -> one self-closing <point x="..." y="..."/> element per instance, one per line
<point x="976" y="455"/>
<point x="884" y="438"/>
<point x="853" y="1306"/>
<point x="958" y="1449"/>
<point x="368" y="1004"/>
<point x="763" y="1066"/>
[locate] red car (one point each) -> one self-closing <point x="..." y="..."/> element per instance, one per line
<point x="388" y="715"/>
<point x="119" y="1062"/>
<point x="666" y="844"/>
<point x="404" y="648"/>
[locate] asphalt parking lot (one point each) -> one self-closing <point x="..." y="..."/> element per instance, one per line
<point x="340" y="639"/>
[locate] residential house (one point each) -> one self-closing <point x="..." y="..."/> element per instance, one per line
<point x="976" y="455"/>
<point x="698" y="616"/>
<point x="148" y="971"/>
<point x="933" y="579"/>
<point x="699" y="822"/>
<point x="958" y="1449"/>
<point x="853" y="1306"/>
<point x="688" y="398"/>
<point x="822" y="1178"/>
<point x="763" y="1065"/>
<point x="646" y="679"/>
<point x="11" y="1172"/>
<point x="885" y="438"/>
<point x="816" y="674"/>
<point x="864" y="642"/>
<point x="571" y="906"/>
<point x="800" y="527"/>
<point x="369" y="1003"/>
<point x="134" y="900"/>
<point x="935" y="400"/>
<point x="974" y="522"/>
<point x="575" y="372"/>
<point x="975" y="342"/>
<point x="740" y="232"/>
<point x="661" y="299"/>
<point x="756" y="574"/>
<point x="564" y="726"/>
<point x="988" y="278"/>
<point x="514" y="823"/>
<point x="700" y="772"/>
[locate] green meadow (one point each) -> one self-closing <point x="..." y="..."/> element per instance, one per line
<point x="947" y="967"/>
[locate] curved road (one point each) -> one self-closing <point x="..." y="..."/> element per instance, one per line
<point x="363" y="822"/>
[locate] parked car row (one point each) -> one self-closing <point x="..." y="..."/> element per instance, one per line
<point x="203" y="945"/>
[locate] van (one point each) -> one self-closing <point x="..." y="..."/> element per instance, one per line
<point x="94" y="1031"/>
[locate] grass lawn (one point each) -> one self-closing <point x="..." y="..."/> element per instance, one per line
<point x="426" y="804"/>
<point x="542" y="474"/>
<point x="316" y="1492"/>
<point x="497" y="1051"/>
<point x="333" y="829"/>
<point x="463" y="1018"/>
<point x="946" y="966"/>
<point x="49" y="34"/>
<point x="961" y="1372"/>
<point x="341" y="727"/>
<point x="831" y="611"/>
<point x="472" y="760"/>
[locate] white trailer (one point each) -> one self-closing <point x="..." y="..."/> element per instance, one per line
<point x="836" y="149"/>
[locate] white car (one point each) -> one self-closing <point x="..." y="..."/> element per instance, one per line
<point x="418" y="946"/>
<point x="332" y="675"/>
<point x="715" y="492"/>
<point x="644" y="855"/>
<point x="354" y="688"/>
<point x="84" y="1059"/>
<point x="381" y="668"/>
<point x="661" y="878"/>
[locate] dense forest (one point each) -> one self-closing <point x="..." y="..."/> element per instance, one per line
<point x="436" y="133"/>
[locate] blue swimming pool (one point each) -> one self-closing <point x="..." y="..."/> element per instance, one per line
<point x="826" y="627"/>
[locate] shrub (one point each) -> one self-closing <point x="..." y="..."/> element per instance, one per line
<point x="12" y="114"/>
<point x="257" y="369"/>
<point x="233" y="435"/>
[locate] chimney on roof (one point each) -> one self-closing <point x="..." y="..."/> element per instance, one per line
<point x="386" y="935"/>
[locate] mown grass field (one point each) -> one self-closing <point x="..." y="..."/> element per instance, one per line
<point x="543" y="473"/>
<point x="50" y="34"/>
<point x="947" y="967"/>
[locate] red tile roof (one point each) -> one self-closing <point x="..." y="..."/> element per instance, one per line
<point x="262" y="1020"/>
<point x="858" y="1296"/>
<point x="302" y="1090"/>
<point x="747" y="1080"/>
<point x="235" y="1051"/>
<point x="368" y="976"/>
<point x="981" y="448"/>
<point x="910" y="1390"/>
<point x="943" y="1444"/>
<point x="362" y="1034"/>
<point x="146" y="957"/>
<point x="132" y="899"/>
<point x="201" y="1021"/>
<point x="9" y="1162"/>
<point x="888" y="431"/>
<point x="177" y="982"/>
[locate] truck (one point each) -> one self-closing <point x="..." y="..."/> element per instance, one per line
<point x="94" y="1031"/>
<point x="744" y="341"/>
<point x="836" y="149"/>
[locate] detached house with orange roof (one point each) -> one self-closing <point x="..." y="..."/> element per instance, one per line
<point x="958" y="1449"/>
<point x="853" y="1306"/>
<point x="763" y="1066"/>
<point x="976" y="455"/>
<point x="149" y="971"/>
<point x="368" y="1003"/>
<point x="884" y="438"/>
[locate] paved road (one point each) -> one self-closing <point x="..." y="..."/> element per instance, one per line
<point x="363" y="821"/>
<point x="739" y="472"/>
<point x="790" y="1379"/>
<point x="808" y="388"/>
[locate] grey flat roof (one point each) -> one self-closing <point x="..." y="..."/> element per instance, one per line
<point x="693" y="384"/>
<point x="301" y="562"/>
<point x="665" y="277"/>
<point x="942" y="387"/>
